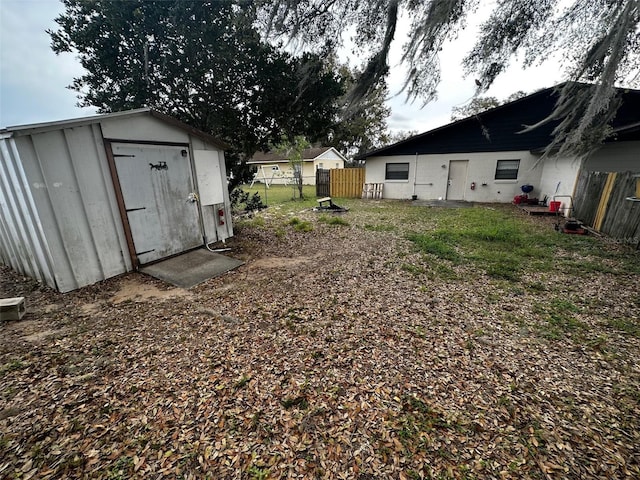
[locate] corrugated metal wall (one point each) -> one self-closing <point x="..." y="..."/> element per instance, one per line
<point x="74" y="202"/>
<point x="23" y="244"/>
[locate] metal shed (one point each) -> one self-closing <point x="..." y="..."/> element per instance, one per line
<point x="86" y="199"/>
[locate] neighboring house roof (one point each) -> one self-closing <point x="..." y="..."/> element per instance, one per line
<point x="498" y="129"/>
<point x="308" y="155"/>
<point x="73" y="122"/>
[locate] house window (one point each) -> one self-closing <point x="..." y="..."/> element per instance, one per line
<point x="337" y="165"/>
<point x="320" y="165"/>
<point x="396" y="171"/>
<point x="507" y="169"/>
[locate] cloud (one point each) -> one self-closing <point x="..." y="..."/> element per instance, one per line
<point x="33" y="85"/>
<point x="34" y="80"/>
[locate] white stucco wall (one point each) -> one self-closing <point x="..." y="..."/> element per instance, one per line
<point x="615" y="157"/>
<point x="558" y="179"/>
<point x="429" y="180"/>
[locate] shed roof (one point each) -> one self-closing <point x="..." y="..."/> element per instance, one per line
<point x="28" y="129"/>
<point x="499" y="128"/>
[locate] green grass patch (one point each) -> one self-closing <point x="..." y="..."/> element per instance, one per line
<point x="416" y="419"/>
<point x="412" y="269"/>
<point x="491" y="239"/>
<point x="430" y="244"/>
<point x="258" y="473"/>
<point x="300" y="225"/>
<point x="559" y="318"/>
<point x="627" y="325"/>
<point x="285" y="196"/>
<point x="12" y="366"/>
<point x="333" y="220"/>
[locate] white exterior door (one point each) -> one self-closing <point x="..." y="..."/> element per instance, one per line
<point x="457" y="179"/>
<point x="156" y="184"/>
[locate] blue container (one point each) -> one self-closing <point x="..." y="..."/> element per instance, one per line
<point x="526" y="188"/>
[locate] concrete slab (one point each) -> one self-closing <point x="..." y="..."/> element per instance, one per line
<point x="537" y="210"/>
<point x="442" y="203"/>
<point x="191" y="268"/>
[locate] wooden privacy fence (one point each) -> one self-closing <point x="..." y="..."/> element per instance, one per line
<point x="340" y="182"/>
<point x="608" y="203"/>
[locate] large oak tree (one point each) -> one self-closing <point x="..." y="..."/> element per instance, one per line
<point x="203" y="62"/>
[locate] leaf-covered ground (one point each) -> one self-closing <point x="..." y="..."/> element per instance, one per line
<point x="392" y="342"/>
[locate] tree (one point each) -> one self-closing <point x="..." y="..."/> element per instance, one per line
<point x="599" y="40"/>
<point x="202" y="62"/>
<point x="473" y="107"/>
<point x="292" y="151"/>
<point x="400" y="135"/>
<point x="360" y="127"/>
<point x="481" y="104"/>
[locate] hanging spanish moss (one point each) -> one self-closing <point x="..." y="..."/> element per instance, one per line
<point x="598" y="43"/>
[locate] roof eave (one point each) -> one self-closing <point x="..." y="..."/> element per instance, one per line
<point x="28" y="129"/>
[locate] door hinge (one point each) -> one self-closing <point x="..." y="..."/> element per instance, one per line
<point x="122" y="155"/>
<point x="135" y="209"/>
<point x="146" y="251"/>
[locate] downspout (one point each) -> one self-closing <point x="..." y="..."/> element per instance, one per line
<point x="415" y="176"/>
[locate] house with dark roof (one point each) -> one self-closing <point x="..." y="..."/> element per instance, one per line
<point x="275" y="168"/>
<point x="487" y="157"/>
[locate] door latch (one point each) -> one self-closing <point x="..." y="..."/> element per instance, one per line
<point x="159" y="166"/>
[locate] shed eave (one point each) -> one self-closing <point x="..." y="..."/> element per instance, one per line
<point x="30" y="128"/>
<point x="21" y="130"/>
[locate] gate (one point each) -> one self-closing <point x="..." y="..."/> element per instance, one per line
<point x="323" y="182"/>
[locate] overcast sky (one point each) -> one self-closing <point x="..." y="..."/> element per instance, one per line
<point x="33" y="79"/>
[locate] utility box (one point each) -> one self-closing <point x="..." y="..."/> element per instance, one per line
<point x="12" y="308"/>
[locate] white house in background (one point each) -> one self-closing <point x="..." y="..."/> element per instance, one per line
<point x="484" y="158"/>
<point x="275" y="168"/>
<point x="86" y="199"/>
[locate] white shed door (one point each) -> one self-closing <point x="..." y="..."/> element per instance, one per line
<point x="457" y="179"/>
<point x="156" y="182"/>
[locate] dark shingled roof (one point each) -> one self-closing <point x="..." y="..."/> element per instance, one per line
<point x="497" y="129"/>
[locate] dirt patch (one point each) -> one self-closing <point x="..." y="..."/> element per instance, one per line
<point x="32" y="330"/>
<point x="42" y="335"/>
<point x="139" y="290"/>
<point x="279" y="262"/>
